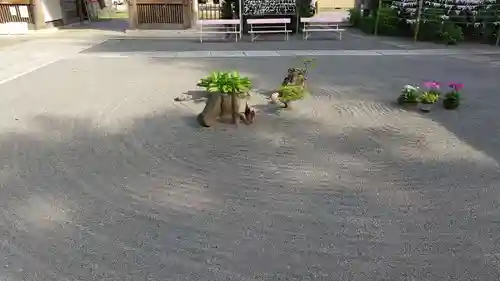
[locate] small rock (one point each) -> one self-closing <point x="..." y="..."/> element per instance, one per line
<point x="183" y="97"/>
<point x="274" y="97"/>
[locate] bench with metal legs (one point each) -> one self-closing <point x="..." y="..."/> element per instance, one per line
<point x="269" y="26"/>
<point x="323" y="24"/>
<point x="222" y="26"/>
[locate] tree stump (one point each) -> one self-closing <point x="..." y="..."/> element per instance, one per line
<point x="235" y="106"/>
<point x="230" y="106"/>
<point x="225" y="108"/>
<point x="212" y="110"/>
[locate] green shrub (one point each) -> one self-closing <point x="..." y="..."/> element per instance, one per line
<point x="367" y="24"/>
<point x="388" y="21"/>
<point x="451" y="33"/>
<point x="355" y="16"/>
<point x="428" y="31"/>
<point x="430" y="25"/>
<point x="490" y="34"/>
<point x="226" y="10"/>
<point x="304" y="8"/>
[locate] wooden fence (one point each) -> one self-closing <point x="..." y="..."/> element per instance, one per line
<point x="168" y="14"/>
<point x="160" y="13"/>
<point x="16" y="11"/>
<point x="209" y="11"/>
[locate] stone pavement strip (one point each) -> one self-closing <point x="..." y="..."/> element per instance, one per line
<point x="280" y="53"/>
<point x="20" y="59"/>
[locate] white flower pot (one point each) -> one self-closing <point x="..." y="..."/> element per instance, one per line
<point x="426" y="107"/>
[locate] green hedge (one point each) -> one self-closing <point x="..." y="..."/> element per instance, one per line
<point x="432" y="29"/>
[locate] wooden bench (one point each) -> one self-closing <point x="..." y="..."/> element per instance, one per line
<point x="323" y="24"/>
<point x="262" y="26"/>
<point x="222" y="26"/>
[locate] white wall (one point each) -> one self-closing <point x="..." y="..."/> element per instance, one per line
<point x="13" y="28"/>
<point x="326" y="4"/>
<point x="52" y="10"/>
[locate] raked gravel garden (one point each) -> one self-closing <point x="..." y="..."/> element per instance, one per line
<point x="226" y="91"/>
<point x="422" y="192"/>
<point x="334" y="173"/>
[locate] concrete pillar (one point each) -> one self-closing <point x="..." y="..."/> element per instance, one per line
<point x="194" y="14"/>
<point x="132" y="15"/>
<point x="38" y="16"/>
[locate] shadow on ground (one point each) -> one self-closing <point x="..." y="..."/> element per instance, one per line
<point x="102" y="24"/>
<point x="265" y="202"/>
<point x="267" y="43"/>
<point x="346" y="82"/>
<point x="6" y="41"/>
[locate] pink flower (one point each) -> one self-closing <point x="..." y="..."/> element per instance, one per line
<point x="432" y="85"/>
<point x="456" y="86"/>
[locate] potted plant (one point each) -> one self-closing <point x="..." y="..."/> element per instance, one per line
<point x="227" y="89"/>
<point x="430" y="95"/>
<point x="409" y="96"/>
<point x="427" y="100"/>
<point x="290" y="93"/>
<point x="452" y="98"/>
<point x="293" y="87"/>
<point x="433" y="87"/>
<point x="298" y="75"/>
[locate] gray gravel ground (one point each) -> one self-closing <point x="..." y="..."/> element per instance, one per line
<point x="7" y="41"/>
<point x="321" y="42"/>
<point x="104" y="177"/>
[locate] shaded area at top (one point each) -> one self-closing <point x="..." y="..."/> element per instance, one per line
<point x="274" y="42"/>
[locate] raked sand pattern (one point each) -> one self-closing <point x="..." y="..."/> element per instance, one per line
<point x="126" y="186"/>
<point x="365" y="171"/>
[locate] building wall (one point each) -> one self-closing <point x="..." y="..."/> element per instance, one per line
<point x="328" y="5"/>
<point x="69" y="11"/>
<point x="16" y="17"/>
<point x="51" y="10"/>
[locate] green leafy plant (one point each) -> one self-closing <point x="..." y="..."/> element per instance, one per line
<point x="451" y="33"/>
<point x="226" y="83"/>
<point x="388" y="21"/>
<point x="305" y="8"/>
<point x="452" y="98"/>
<point x="289" y="93"/>
<point x="293" y="86"/>
<point x="430" y="25"/>
<point x="226" y="9"/>
<point x="429" y="97"/>
<point x="489" y="34"/>
<point x="355" y="16"/>
<point x="367" y="24"/>
<point x="409" y="95"/>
